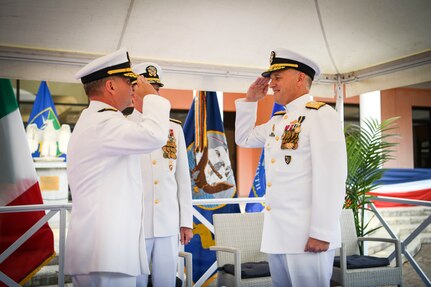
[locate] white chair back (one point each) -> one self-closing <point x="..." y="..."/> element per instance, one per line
<point x="242" y="231"/>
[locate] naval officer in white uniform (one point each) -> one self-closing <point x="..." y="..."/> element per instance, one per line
<point x="306" y="169"/>
<point x="105" y="243"/>
<point x="167" y="195"/>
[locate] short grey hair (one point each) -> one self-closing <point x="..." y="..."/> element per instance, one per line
<point x="95" y="87"/>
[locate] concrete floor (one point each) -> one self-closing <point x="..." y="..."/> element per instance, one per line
<point x="423" y="258"/>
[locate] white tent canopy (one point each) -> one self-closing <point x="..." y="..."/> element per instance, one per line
<point x="222" y="45"/>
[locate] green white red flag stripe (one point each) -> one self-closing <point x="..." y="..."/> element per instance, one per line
<point x="19" y="186"/>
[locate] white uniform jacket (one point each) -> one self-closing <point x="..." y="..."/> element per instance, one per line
<point x="305" y="186"/>
<point x="167" y="187"/>
<point x="106" y="229"/>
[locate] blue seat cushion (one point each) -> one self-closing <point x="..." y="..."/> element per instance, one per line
<point x="249" y="269"/>
<point x="362" y="261"/>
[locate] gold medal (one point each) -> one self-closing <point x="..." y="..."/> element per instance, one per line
<point x="170" y="149"/>
<point x="290" y="136"/>
<point x="289" y="145"/>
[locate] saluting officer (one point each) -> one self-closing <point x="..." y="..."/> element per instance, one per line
<point x="306" y="169"/>
<point x="167" y="195"/>
<point x="105" y="245"/>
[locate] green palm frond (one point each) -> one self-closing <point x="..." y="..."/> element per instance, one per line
<point x="368" y="148"/>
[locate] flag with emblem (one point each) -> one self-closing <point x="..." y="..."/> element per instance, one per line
<point x="43" y="111"/>
<point x="259" y="183"/>
<point x="211" y="174"/>
<point x="19" y="186"/>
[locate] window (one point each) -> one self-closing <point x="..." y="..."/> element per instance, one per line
<point x="69" y="99"/>
<point x="421" y="118"/>
<point x="351" y="113"/>
<point x="229" y="130"/>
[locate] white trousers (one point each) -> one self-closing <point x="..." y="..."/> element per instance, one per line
<point x="301" y="270"/>
<point x="162" y="253"/>
<point x="103" y="279"/>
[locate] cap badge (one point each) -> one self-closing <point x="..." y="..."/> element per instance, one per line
<point x="287" y="159"/>
<point x="152" y="71"/>
<point x="271" y="58"/>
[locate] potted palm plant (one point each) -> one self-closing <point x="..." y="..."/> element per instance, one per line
<point x="368" y="148"/>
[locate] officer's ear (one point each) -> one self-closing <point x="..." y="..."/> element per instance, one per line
<point x="301" y="77"/>
<point x="110" y="85"/>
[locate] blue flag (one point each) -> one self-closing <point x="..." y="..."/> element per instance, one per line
<point x="42" y="111"/>
<point x="211" y="174"/>
<point x="259" y="183"/>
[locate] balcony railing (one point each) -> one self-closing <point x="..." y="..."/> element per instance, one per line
<point x="62" y="209"/>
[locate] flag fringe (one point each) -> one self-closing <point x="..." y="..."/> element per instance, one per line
<point x="37" y="269"/>
<point x="210" y="280"/>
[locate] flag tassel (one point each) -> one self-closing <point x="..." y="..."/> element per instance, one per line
<point x="37" y="269"/>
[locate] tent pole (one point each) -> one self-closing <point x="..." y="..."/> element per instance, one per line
<point x="339" y="94"/>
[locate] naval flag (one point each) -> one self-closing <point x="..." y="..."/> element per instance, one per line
<point x="211" y="174"/>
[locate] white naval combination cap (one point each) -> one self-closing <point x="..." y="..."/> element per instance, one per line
<point x="151" y="71"/>
<point x="281" y="59"/>
<point x="114" y="64"/>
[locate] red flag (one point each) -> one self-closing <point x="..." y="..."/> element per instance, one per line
<point x="19" y="186"/>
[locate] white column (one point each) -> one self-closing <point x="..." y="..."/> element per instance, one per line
<point x="220" y="103"/>
<point x="369" y="104"/>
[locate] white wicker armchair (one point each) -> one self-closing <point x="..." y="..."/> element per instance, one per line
<point x="238" y="237"/>
<point x="374" y="276"/>
<point x="188" y="266"/>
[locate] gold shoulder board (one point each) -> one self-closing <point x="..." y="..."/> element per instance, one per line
<point x="280" y="113"/>
<point x="176" y="121"/>
<point x="107" y="109"/>
<point x="314" y="105"/>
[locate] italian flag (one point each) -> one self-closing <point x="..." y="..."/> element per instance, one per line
<point x="19" y="186"/>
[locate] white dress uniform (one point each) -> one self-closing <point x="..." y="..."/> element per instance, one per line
<point x="305" y="186"/>
<point x="106" y="229"/>
<point x="167" y="203"/>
